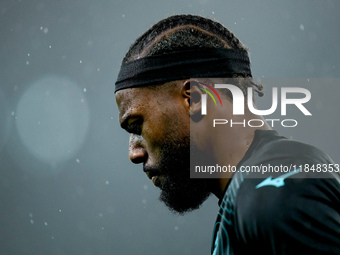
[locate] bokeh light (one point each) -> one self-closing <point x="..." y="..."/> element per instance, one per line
<point x="52" y="119"/>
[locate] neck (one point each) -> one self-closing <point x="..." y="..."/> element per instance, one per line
<point x="229" y="145"/>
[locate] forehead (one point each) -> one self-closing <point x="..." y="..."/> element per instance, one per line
<point x="132" y="100"/>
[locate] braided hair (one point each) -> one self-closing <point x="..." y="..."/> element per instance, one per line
<point x="181" y="32"/>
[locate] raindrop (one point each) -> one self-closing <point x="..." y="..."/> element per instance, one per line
<point x="144" y="201"/>
<point x="45" y="223"/>
<point x="27" y="62"/>
<point x="84" y="90"/>
<point x="176" y="228"/>
<point x="77" y="160"/>
<point x="50" y="46"/>
<point x="80" y="61"/>
<point x="123" y="15"/>
<point x="107" y="182"/>
<point x="45" y="30"/>
<point x="32" y="221"/>
<point x="302" y="27"/>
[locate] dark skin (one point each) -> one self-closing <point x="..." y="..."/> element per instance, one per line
<point x="152" y="116"/>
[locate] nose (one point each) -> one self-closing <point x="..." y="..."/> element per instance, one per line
<point x="137" y="152"/>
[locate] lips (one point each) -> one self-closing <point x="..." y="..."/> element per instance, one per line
<point x="154" y="179"/>
<point x="153" y="176"/>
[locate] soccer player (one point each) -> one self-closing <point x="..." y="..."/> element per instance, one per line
<point x="159" y="95"/>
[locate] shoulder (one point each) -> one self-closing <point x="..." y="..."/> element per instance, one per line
<point x="282" y="148"/>
<point x="282" y="211"/>
<point x="285" y="155"/>
<point x="286" y="178"/>
<point x="303" y="213"/>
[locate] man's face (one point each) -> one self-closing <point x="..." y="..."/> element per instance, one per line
<point x="159" y="125"/>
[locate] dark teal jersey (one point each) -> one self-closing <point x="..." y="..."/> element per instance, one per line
<point x="284" y="199"/>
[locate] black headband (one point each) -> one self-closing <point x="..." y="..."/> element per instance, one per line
<point x="179" y="65"/>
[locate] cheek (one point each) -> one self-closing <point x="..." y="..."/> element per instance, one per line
<point x="167" y="124"/>
<point x="165" y="127"/>
<point x="176" y="127"/>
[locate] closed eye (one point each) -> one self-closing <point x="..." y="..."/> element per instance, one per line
<point x="133" y="125"/>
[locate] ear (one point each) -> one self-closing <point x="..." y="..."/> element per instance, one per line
<point x="192" y="94"/>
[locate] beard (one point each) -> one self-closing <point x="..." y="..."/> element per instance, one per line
<point x="180" y="193"/>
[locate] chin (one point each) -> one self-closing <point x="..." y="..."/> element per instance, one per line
<point x="184" y="202"/>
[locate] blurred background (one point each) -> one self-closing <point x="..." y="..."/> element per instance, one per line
<point x="66" y="183"/>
